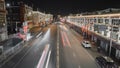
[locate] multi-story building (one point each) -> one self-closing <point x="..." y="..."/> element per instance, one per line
<point x="13" y="17"/>
<point x="17" y="13"/>
<point x="26" y="13"/>
<point x="41" y="18"/>
<point x="49" y="18"/>
<point x="36" y="17"/>
<point x="102" y="29"/>
<point x="3" y="25"/>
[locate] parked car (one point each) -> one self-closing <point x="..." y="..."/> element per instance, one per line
<point x="112" y="65"/>
<point x="101" y="61"/>
<point x="86" y="44"/>
<point x="105" y="63"/>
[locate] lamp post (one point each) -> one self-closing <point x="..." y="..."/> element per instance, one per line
<point x="110" y="37"/>
<point x="16" y="27"/>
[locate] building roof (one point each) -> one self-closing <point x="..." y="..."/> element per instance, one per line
<point x="105" y="11"/>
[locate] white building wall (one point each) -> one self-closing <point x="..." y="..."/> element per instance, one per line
<point x="108" y="34"/>
<point x="102" y="32"/>
<point x="119" y="37"/>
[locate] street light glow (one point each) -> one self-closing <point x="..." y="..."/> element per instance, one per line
<point x="8" y="5"/>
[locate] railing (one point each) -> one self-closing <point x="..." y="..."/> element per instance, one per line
<point x="12" y="51"/>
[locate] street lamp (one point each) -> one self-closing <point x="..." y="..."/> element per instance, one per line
<point x="8" y="5"/>
<point x="16" y="27"/>
<point x="110" y="37"/>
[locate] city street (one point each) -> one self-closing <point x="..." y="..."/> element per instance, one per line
<point x="59" y="34"/>
<point x="57" y="46"/>
<point x="36" y="54"/>
<point x="72" y="54"/>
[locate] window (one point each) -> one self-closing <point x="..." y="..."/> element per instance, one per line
<point x="115" y="22"/>
<point x="106" y="21"/>
<point x="95" y="20"/>
<point x="8" y="18"/>
<point x="105" y="33"/>
<point x="1" y="6"/>
<point x="114" y="36"/>
<point x="100" y="32"/>
<point x="115" y="29"/>
<point x="100" y="20"/>
<point x="0" y="35"/>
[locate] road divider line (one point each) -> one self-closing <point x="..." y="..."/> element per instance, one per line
<point x="46" y="66"/>
<point x="79" y="66"/>
<point x="57" y="64"/>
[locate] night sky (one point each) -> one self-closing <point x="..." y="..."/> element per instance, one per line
<point x="64" y="7"/>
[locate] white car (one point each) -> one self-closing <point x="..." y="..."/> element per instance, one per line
<point x="86" y="44"/>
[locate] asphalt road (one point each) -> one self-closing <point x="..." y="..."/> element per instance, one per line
<point x="47" y="52"/>
<point x="40" y="53"/>
<point x="72" y="54"/>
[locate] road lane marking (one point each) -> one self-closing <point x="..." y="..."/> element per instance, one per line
<point x="64" y="27"/>
<point x="65" y="35"/>
<point x="43" y="57"/>
<point x="23" y="56"/>
<point x="40" y="61"/>
<point x="84" y="49"/>
<point x="57" y="64"/>
<point x="79" y="66"/>
<point x="48" y="59"/>
<point x="88" y="54"/>
<point x="57" y="46"/>
<point x="63" y="38"/>
<point x="57" y="58"/>
<point x="74" y="55"/>
<point x="46" y="35"/>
